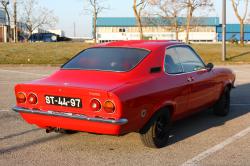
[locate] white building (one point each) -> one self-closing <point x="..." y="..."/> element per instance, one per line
<point x="112" y="29"/>
<point x="59" y="32"/>
<point x="54" y="31"/>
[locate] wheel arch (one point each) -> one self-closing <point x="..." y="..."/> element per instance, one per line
<point x="227" y="84"/>
<point x="168" y="109"/>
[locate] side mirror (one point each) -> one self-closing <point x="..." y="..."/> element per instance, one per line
<point x="209" y="66"/>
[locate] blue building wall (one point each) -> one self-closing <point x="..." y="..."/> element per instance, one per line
<point x="2" y="17"/>
<point x="233" y="32"/>
<point x="153" y="21"/>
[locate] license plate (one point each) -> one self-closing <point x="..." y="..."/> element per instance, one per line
<point x="63" y="101"/>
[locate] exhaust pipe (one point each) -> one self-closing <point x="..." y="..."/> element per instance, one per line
<point x="49" y="130"/>
<point x="52" y="129"/>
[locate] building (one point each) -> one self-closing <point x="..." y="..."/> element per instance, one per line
<point x="58" y="32"/>
<point x="21" y="28"/>
<point x="3" y="27"/>
<point x="203" y="29"/>
<point x="233" y="32"/>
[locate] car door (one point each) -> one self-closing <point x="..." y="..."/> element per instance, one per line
<point x="176" y="81"/>
<point x="203" y="87"/>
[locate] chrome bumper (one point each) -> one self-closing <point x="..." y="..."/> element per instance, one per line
<point x="70" y="116"/>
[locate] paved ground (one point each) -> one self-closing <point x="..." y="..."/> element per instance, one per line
<point x="203" y="139"/>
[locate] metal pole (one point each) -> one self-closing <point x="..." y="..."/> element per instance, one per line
<point x="15" y="22"/>
<point x="224" y="49"/>
<point x="74" y="29"/>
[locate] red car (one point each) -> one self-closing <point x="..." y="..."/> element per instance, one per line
<point x="128" y="86"/>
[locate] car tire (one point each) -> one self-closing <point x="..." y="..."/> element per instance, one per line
<point x="222" y="106"/>
<point x="157" y="133"/>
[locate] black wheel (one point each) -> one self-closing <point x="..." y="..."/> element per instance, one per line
<point x="157" y="133"/>
<point x="222" y="107"/>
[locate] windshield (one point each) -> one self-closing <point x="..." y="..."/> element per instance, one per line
<point x="107" y="59"/>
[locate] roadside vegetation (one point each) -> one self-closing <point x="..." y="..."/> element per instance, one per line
<point x="59" y="53"/>
<point x="39" y="53"/>
<point x="236" y="54"/>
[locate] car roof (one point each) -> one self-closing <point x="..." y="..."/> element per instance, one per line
<point x="142" y="44"/>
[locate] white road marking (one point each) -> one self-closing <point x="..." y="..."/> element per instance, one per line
<point x="22" y="72"/>
<point x="240" y="71"/>
<point x="5" y="111"/>
<point x="195" y="161"/>
<point x="6" y="82"/>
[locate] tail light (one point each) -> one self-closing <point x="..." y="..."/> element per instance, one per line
<point x="109" y="107"/>
<point x="95" y="105"/>
<point x="32" y="98"/>
<point x="20" y="97"/>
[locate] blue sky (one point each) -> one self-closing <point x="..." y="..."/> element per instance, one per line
<point x="71" y="11"/>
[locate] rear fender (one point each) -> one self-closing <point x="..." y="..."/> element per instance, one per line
<point x="165" y="104"/>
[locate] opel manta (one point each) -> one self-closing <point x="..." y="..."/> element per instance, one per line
<point x="127" y="86"/>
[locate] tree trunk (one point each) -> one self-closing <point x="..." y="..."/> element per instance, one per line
<point x="140" y="28"/>
<point x="242" y="32"/>
<point x="94" y="28"/>
<point x="30" y="33"/>
<point x="138" y="18"/>
<point x="176" y="29"/>
<point x="189" y="17"/>
<point x="241" y="19"/>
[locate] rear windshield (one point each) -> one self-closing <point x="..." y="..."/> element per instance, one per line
<point x="107" y="59"/>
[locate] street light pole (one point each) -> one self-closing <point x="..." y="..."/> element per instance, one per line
<point x="15" y="23"/>
<point x="224" y="49"/>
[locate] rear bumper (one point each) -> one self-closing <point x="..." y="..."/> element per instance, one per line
<point x="71" y="116"/>
<point x="72" y="121"/>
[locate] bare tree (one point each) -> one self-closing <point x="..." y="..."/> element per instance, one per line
<point x="96" y="7"/>
<point x="5" y="4"/>
<point x="192" y="6"/>
<point x="138" y="7"/>
<point x="36" y="17"/>
<point x="169" y="11"/>
<point x="248" y="20"/>
<point x="235" y="4"/>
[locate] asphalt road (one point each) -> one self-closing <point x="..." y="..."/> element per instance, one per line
<point x="202" y="139"/>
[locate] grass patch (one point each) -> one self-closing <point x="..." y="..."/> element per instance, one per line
<point x="212" y="53"/>
<point x="59" y="53"/>
<point x="39" y="53"/>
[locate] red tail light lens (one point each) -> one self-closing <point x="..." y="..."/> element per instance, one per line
<point x="32" y="98"/>
<point x="109" y="107"/>
<point x="20" y="97"/>
<point x="95" y="105"/>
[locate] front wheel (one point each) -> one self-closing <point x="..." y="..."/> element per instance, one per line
<point x="222" y="107"/>
<point x="157" y="135"/>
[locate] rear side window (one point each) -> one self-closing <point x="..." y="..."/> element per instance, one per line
<point x="172" y="62"/>
<point x="189" y="59"/>
<point x="107" y="59"/>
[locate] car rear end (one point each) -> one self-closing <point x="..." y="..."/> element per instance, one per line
<point x="70" y="108"/>
<point x="79" y="96"/>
